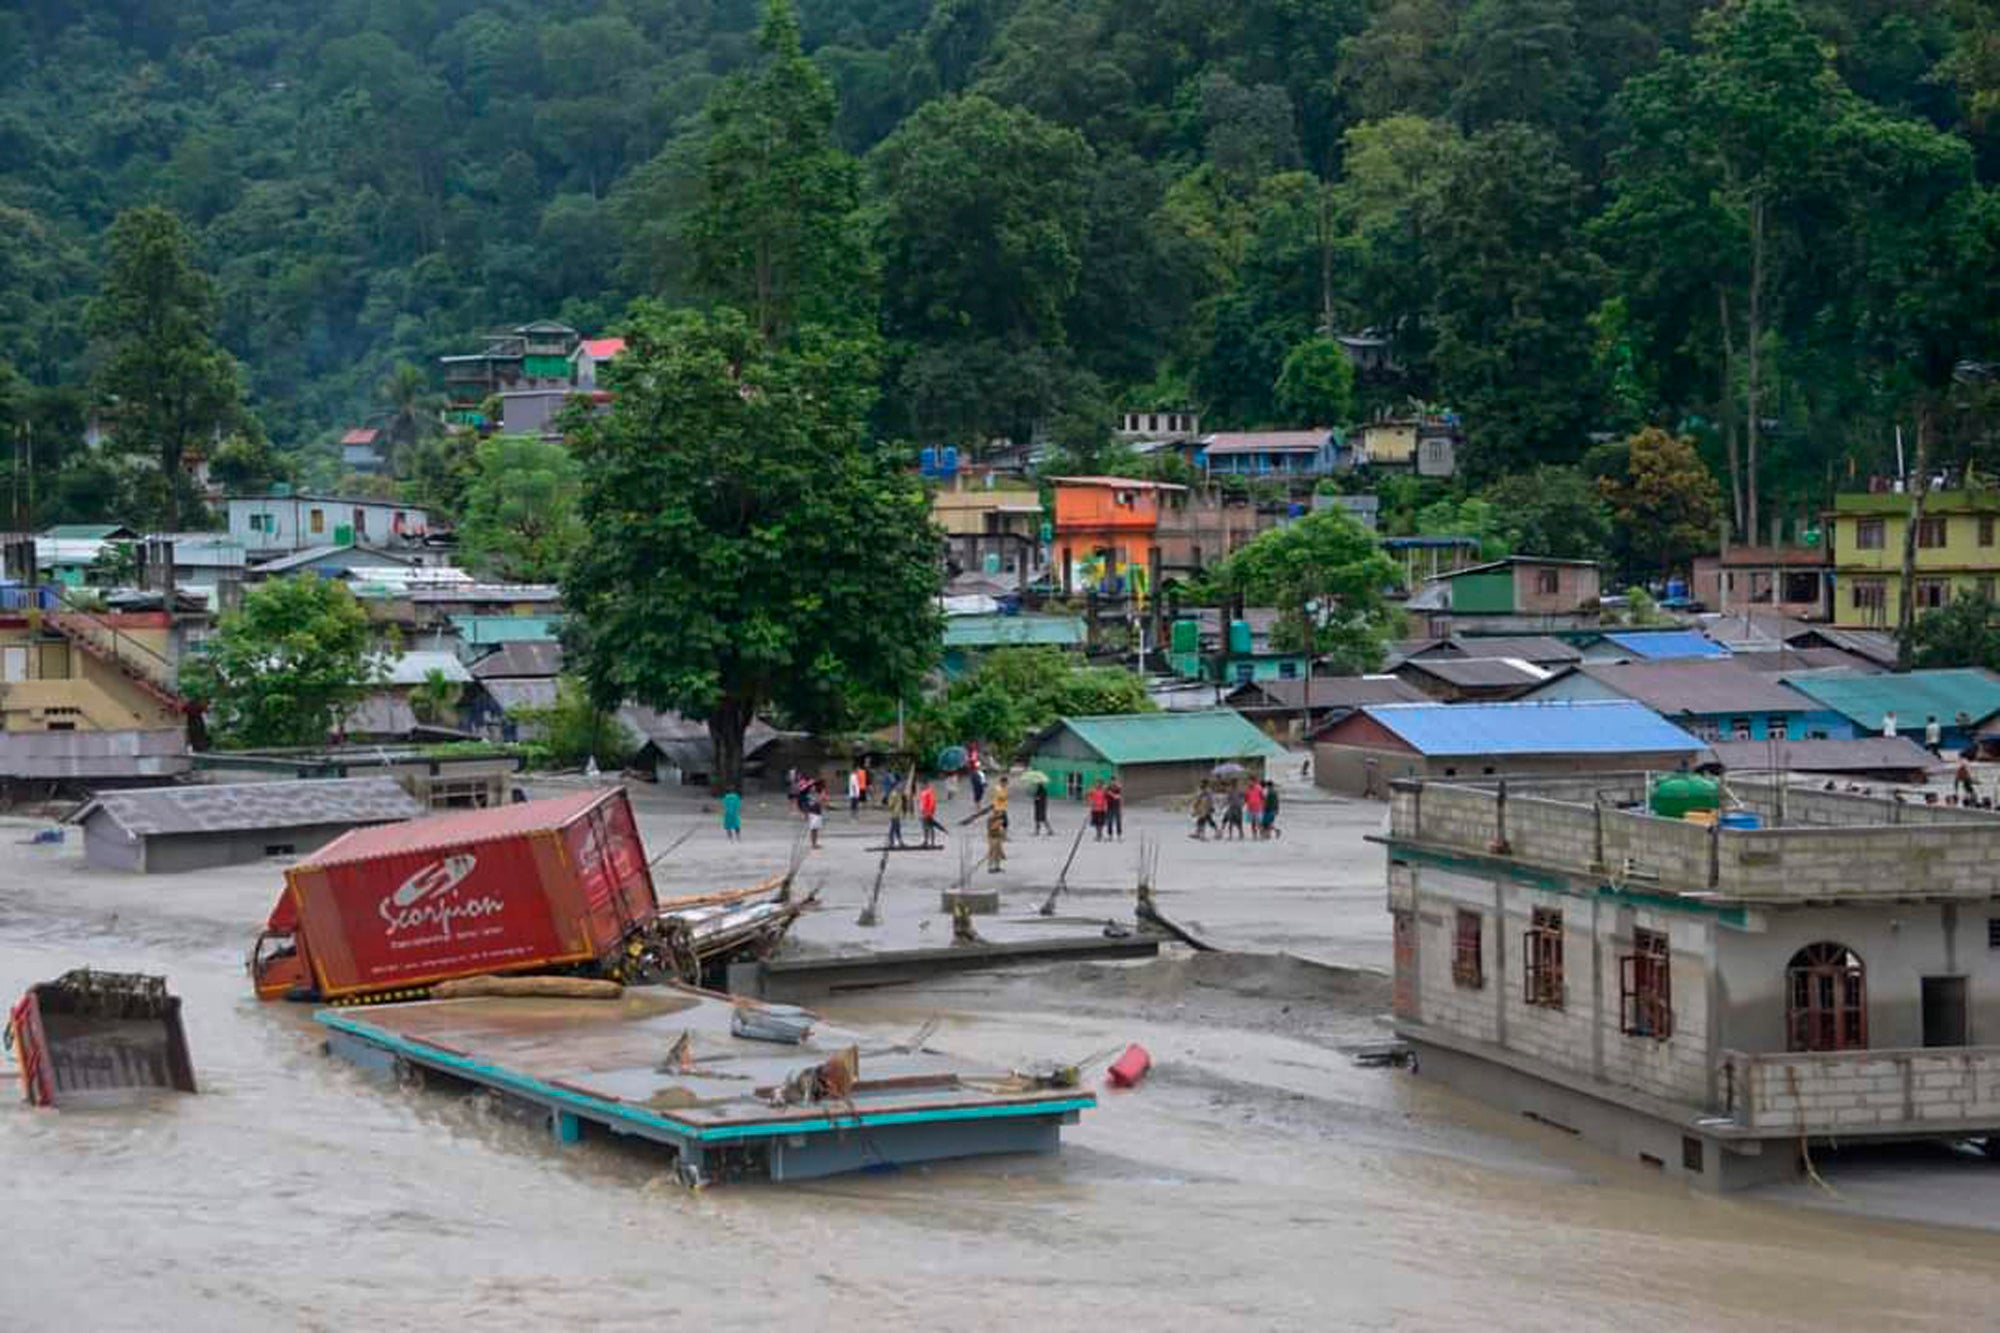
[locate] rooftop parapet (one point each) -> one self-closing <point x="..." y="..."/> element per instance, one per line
<point x="1814" y="847"/>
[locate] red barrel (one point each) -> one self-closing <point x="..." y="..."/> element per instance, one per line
<point x="1129" y="1068"/>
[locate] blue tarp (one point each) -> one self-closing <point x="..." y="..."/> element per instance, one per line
<point x="1655" y="645"/>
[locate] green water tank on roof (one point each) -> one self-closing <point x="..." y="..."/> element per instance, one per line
<point x="1675" y="795"/>
<point x="1187" y="636"/>
<point x="1239" y="638"/>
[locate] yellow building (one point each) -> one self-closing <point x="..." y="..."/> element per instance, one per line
<point x="1958" y="551"/>
<point x="70" y="670"/>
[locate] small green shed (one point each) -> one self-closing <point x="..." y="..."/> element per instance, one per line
<point x="1151" y="754"/>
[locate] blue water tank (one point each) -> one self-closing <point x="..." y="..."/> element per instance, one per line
<point x="927" y="461"/>
<point x="948" y="465"/>
<point x="1677" y="590"/>
<point x="1741" y="819"/>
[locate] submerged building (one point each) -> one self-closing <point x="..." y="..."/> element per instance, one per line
<point x="1711" y="1000"/>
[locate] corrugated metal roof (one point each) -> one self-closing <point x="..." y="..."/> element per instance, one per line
<point x="1912" y="697"/>
<point x="520" y="659"/>
<point x="1477" y="672"/>
<point x="1690" y="685"/>
<point x="1266" y="441"/>
<point x="1598" y="726"/>
<point x="460" y="828"/>
<point x="515" y="694"/>
<point x="1783" y="661"/>
<point x="415" y="668"/>
<point x="1536" y="648"/>
<point x="229" y="807"/>
<point x="1509" y="561"/>
<point x="1866" y="754"/>
<point x="1012" y="631"/>
<point x="1328" y="692"/>
<point x="1167" y="738"/>
<point x="1657" y="644"/>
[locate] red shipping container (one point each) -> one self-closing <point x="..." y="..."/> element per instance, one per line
<point x="519" y="888"/>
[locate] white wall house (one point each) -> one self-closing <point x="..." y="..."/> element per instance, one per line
<point x="268" y="523"/>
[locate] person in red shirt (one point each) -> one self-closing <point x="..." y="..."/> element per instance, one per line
<point x="927" y="810"/>
<point x="1100" y="802"/>
<point x="1253" y="801"/>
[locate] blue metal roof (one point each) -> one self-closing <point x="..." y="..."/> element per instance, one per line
<point x="1594" y="726"/>
<point x="1654" y="645"/>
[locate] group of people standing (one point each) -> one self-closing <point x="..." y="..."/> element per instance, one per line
<point x="1249" y="809"/>
<point x="1107" y="809"/>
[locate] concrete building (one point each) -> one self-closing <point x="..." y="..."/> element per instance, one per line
<point x="1705" y="1000"/>
<point x="1712" y="700"/>
<point x="1105" y="532"/>
<point x="991" y="530"/>
<point x="1426" y="445"/>
<point x="1381" y="743"/>
<point x="473" y="778"/>
<point x="170" y="829"/>
<point x="1518" y="595"/>
<point x="1958" y="551"/>
<point x="1151" y="754"/>
<point x="285" y="522"/>
<point x="1784" y="580"/>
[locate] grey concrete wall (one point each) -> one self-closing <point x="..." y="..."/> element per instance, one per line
<point x="108" y="847"/>
<point x="1869" y="1091"/>
<point x="179" y="853"/>
<point x="1585" y="1036"/>
<point x="1899" y="944"/>
<point x="1618" y="1130"/>
<point x="1941" y="853"/>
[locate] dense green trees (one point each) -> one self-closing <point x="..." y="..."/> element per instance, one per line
<point x="520" y="520"/>
<point x="1767" y="224"/>
<point x="1326" y="576"/>
<point x="287" y="666"/>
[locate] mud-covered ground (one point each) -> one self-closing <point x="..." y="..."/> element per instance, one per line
<point x="1259" y="1179"/>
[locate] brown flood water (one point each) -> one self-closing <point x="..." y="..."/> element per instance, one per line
<point x="1257" y="1181"/>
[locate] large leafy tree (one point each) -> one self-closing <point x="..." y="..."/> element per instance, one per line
<point x="981" y="226"/>
<point x="1327" y="577"/>
<point x="1726" y="183"/>
<point x="287" y="666"/>
<point x="1665" y="501"/>
<point x="521" y="518"/>
<point x="777" y="234"/>
<point x="1552" y="511"/>
<point x="1516" y="284"/>
<point x="746" y="547"/>
<point x="168" y="387"/>
<point x="1013" y="693"/>
<point x="1964" y="634"/>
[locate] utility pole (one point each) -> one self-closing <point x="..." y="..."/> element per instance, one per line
<point x="1906" y="608"/>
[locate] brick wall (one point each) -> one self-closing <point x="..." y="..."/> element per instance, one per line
<point x="1827" y="1092"/>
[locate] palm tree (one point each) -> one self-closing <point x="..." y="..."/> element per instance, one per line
<point x="434" y="699"/>
<point x="415" y="410"/>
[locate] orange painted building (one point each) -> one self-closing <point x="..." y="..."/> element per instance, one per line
<point x="1107" y="530"/>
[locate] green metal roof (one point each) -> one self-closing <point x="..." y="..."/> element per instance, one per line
<point x="1167" y="738"/>
<point x="85" y="532"/>
<point x="1012" y="631"/>
<point x="507" y="629"/>
<point x="1912" y="697"/>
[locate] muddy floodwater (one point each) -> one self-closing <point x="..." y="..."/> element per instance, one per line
<point x="1258" y="1180"/>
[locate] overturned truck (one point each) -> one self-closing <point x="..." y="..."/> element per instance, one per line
<point x="556" y="886"/>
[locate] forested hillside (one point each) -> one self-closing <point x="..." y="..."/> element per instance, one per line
<point x="1768" y="225"/>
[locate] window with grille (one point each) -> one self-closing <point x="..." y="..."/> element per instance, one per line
<point x="1986" y="530"/>
<point x="1542" y="947"/>
<point x="1933" y="593"/>
<point x="1931" y="533"/>
<point x="1993" y="932"/>
<point x="1645" y="985"/>
<point x="1868" y="534"/>
<point x="1467" y="968"/>
<point x="1548" y="581"/>
<point x="1869" y="594"/>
